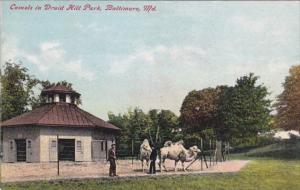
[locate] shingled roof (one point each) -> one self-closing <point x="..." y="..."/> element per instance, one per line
<point x="59" y="114"/>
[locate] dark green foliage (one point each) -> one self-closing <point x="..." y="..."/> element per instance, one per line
<point x="282" y="149"/>
<point x="227" y="113"/>
<point x="17" y="90"/>
<point x="123" y="140"/>
<point x="156" y="126"/>
<point x="243" y="145"/>
<point x="244" y="109"/>
<point x="199" y="115"/>
<point x="199" y="109"/>
<point x="167" y="126"/>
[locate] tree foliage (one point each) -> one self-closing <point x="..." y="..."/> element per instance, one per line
<point x="244" y="109"/>
<point x="288" y="102"/>
<point x="199" y="108"/>
<point x="199" y="114"/>
<point x="227" y="112"/>
<point x="17" y="90"/>
<point x="20" y="91"/>
<point x="157" y="126"/>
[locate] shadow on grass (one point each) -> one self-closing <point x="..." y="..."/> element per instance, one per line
<point x="288" y="150"/>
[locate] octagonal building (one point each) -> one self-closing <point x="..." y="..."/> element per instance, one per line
<point x="58" y="129"/>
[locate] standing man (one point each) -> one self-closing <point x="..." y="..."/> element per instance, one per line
<point x="112" y="160"/>
<point x="153" y="156"/>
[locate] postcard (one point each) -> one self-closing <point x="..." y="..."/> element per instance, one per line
<point x="150" y="94"/>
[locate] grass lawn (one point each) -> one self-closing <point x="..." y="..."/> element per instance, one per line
<point x="261" y="174"/>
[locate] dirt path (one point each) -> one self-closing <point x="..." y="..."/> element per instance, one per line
<point x="18" y="172"/>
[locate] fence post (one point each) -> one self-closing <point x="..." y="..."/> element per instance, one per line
<point x="132" y="150"/>
<point x="209" y="152"/>
<point x="201" y="145"/>
<point x="228" y="146"/>
<point x="57" y="154"/>
<point x="216" y="152"/>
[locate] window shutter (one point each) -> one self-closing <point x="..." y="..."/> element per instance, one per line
<point x="29" y="150"/>
<point x="52" y="149"/>
<point x="12" y="156"/>
<point x="79" y="150"/>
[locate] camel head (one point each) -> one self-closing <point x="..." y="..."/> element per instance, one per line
<point x="145" y="145"/>
<point x="194" y="150"/>
<point x="146" y="141"/>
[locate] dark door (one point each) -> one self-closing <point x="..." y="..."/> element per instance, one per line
<point x="21" y="150"/>
<point x="66" y="149"/>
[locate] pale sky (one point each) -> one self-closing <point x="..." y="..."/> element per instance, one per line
<point x="118" y="60"/>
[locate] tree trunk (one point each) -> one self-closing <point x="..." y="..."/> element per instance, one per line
<point x="219" y="151"/>
<point x="157" y="133"/>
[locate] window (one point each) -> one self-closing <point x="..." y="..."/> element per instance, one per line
<point x="53" y="144"/>
<point x="11" y="145"/>
<point x="50" y="98"/>
<point x="29" y="144"/>
<point x="79" y="145"/>
<point x="102" y="145"/>
<point x="62" y="98"/>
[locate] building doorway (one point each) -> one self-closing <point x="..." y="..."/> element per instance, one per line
<point x="66" y="149"/>
<point x="21" y="150"/>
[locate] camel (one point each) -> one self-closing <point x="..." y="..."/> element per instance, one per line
<point x="145" y="151"/>
<point x="177" y="152"/>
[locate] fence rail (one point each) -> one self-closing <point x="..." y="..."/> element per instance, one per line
<point x="212" y="152"/>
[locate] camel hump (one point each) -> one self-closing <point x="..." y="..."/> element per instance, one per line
<point x="168" y="143"/>
<point x="180" y="142"/>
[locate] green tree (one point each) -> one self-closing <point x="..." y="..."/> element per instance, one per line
<point x="17" y="90"/>
<point x="288" y="102"/>
<point x="169" y="125"/>
<point x="156" y="125"/>
<point x="164" y="125"/>
<point x="134" y="125"/>
<point x="123" y="140"/>
<point x="244" y="109"/>
<point x="199" y="112"/>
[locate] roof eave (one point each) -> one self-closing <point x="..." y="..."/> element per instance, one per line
<point x="61" y="125"/>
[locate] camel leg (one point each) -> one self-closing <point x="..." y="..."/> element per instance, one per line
<point x="175" y="165"/>
<point x="163" y="164"/>
<point x="147" y="162"/>
<point x="182" y="163"/>
<point x="143" y="165"/>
